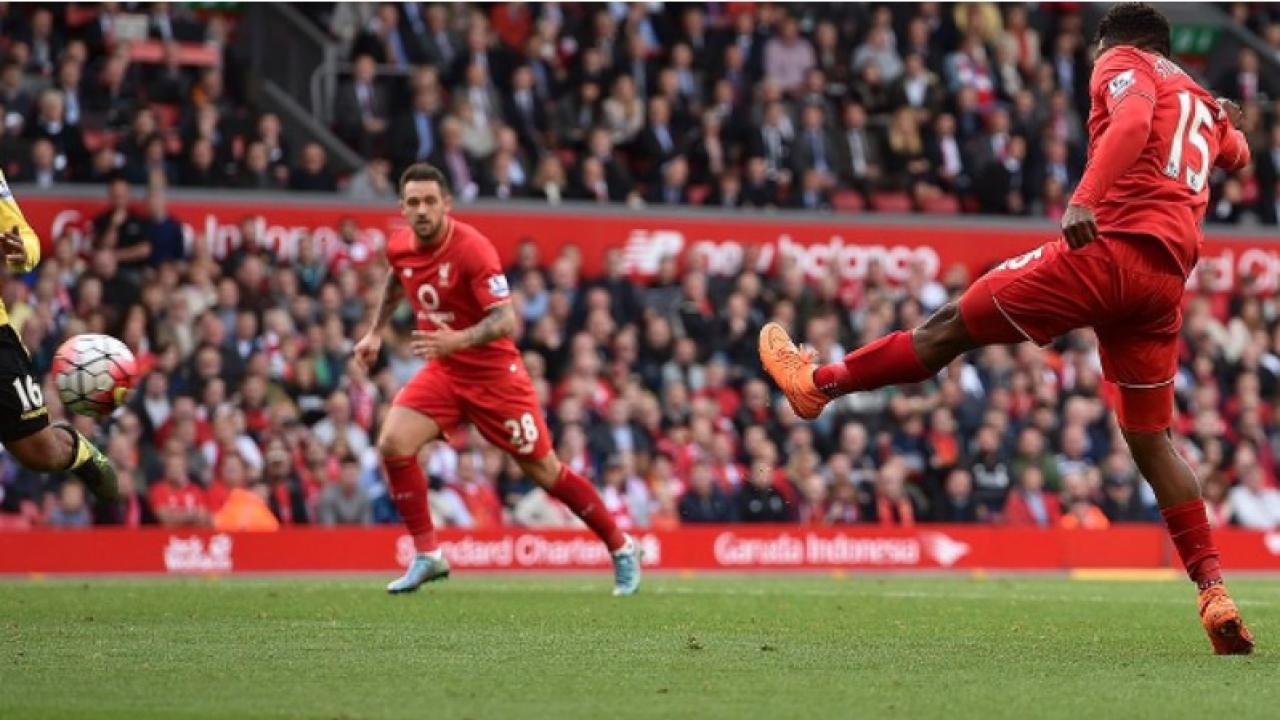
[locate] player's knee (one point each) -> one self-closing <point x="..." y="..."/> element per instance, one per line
<point x="1147" y="443"/>
<point x="44" y="451"/>
<point x="544" y="471"/>
<point x="392" y="444"/>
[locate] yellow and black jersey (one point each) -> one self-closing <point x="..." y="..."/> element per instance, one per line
<point x="11" y="216"/>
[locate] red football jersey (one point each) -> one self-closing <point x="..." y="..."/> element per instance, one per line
<point x="1158" y="204"/>
<point x="453" y="286"/>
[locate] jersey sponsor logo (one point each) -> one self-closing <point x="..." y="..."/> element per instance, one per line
<point x="1120" y="83"/>
<point x="498" y="286"/>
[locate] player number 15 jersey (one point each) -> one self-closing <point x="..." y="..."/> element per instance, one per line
<point x="1162" y="198"/>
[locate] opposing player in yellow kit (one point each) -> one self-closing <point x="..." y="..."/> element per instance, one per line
<point x="25" y="429"/>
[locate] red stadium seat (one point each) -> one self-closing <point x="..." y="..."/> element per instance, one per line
<point x="568" y="159"/>
<point x="189" y="53"/>
<point x="892" y="202"/>
<point x="172" y="142"/>
<point x="95" y="140"/>
<point x="942" y="204"/>
<point x="166" y="115"/>
<point x="848" y="201"/>
<point x="698" y="194"/>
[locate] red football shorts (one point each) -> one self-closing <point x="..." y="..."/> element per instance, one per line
<point x="1053" y="289"/>
<point x="504" y="407"/>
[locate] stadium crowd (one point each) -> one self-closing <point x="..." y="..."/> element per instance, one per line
<point x="249" y="414"/>
<point x="970" y="107"/>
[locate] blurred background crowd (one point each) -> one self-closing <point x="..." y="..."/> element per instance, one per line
<point x="943" y="108"/>
<point x="250" y="415"/>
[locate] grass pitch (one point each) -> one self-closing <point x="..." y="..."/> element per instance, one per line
<point x="560" y="647"/>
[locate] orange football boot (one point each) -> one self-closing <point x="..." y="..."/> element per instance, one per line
<point x="1222" y="622"/>
<point x="792" y="369"/>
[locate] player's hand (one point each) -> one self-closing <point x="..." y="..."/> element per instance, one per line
<point x="366" y="351"/>
<point x="15" y="251"/>
<point x="437" y="344"/>
<point x="1232" y="111"/>
<point x="1079" y="226"/>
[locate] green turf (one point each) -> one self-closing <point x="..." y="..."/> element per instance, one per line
<point x="560" y="647"/>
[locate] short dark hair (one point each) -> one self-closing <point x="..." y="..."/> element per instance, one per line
<point x="1136" y="24"/>
<point x="424" y="172"/>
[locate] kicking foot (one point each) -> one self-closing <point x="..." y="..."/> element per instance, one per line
<point x="1222" y="622"/>
<point x="792" y="369"/>
<point x="626" y="568"/>
<point x="425" y="568"/>
<point x="97" y="473"/>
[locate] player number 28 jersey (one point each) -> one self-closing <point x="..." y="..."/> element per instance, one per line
<point x="453" y="286"/>
<point x="1162" y="198"/>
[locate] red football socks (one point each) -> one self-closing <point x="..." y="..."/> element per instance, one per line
<point x="1189" y="527"/>
<point x="581" y="497"/>
<point x="890" y="360"/>
<point x="409" y="493"/>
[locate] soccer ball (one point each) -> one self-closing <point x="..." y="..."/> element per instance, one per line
<point x="94" y="374"/>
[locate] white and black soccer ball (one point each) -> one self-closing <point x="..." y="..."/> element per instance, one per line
<point x="94" y="374"/>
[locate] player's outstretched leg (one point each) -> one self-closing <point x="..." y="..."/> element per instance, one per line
<point x="404" y="433"/>
<point x="900" y="358"/>
<point x="1183" y="509"/>
<point x="580" y="496"/>
<point x="61" y="448"/>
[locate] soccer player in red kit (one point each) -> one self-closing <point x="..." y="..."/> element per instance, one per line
<point x="455" y="284"/>
<point x="1130" y="237"/>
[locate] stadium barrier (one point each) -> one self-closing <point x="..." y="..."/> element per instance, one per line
<point x="726" y="240"/>
<point x="736" y="548"/>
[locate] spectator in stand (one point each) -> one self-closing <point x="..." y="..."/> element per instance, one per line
<point x="43" y="168"/>
<point x="255" y="171"/>
<point x="242" y="507"/>
<point x="1254" y="504"/>
<point x="201" y="169"/>
<point x="361" y="107"/>
<point x="175" y="499"/>
<point x="704" y="501"/>
<point x="70" y="511"/>
<point x="50" y="123"/>
<point x="891" y="502"/>
<point x="958" y="503"/>
<point x="454" y="162"/>
<point x="674" y="188"/>
<point x="312" y="173"/>
<point x="373" y="182"/>
<point x="787" y="56"/>
<point x="14" y="95"/>
<point x="343" y="501"/>
<point x="120" y="230"/>
<point x="1029" y="505"/>
<point x="113" y="96"/>
<point x="271" y="135"/>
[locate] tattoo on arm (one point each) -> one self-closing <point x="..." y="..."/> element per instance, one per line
<point x="392" y="294"/>
<point x="500" y="322"/>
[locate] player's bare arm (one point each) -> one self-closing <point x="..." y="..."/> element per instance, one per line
<point x="500" y="322"/>
<point x="366" y="350"/>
